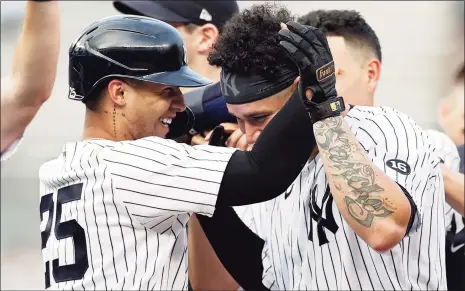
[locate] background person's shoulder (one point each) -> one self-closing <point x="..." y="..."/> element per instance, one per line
<point x="461" y="150"/>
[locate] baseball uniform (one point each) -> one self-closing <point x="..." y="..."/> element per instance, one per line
<point x="455" y="231"/>
<point x="449" y="155"/>
<point x="114" y="214"/>
<point x="309" y="245"/>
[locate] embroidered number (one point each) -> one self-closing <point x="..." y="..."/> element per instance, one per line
<point x="63" y="230"/>
<point x="399" y="166"/>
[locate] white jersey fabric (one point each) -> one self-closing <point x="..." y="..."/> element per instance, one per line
<point x="309" y="245"/>
<point x="114" y="214"/>
<point x="10" y="150"/>
<point x="448" y="153"/>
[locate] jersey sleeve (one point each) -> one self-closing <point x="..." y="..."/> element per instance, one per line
<point x="400" y="148"/>
<point x="155" y="178"/>
<point x="448" y="154"/>
<point x="446" y="149"/>
<point x="10" y="150"/>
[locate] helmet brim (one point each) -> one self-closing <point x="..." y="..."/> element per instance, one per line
<point x="184" y="77"/>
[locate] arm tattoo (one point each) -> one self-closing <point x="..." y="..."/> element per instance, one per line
<point x="347" y="163"/>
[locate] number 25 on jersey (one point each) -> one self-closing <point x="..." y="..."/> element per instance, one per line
<point x="63" y="230"/>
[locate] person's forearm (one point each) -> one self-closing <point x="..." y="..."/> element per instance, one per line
<point x="206" y="272"/>
<point x="372" y="204"/>
<point x="34" y="69"/>
<point x="454" y="187"/>
<point x="36" y="56"/>
<point x="227" y="238"/>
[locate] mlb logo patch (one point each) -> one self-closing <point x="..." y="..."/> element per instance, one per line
<point x="335" y="105"/>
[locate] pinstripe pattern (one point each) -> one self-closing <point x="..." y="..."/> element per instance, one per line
<point x="136" y="199"/>
<point x="447" y="151"/>
<point x="304" y="251"/>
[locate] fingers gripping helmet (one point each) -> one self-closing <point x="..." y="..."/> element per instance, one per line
<point x="133" y="47"/>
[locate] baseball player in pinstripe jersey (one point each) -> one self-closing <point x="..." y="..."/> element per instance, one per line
<point x="114" y="206"/>
<point x="33" y="73"/>
<point x="452" y="120"/>
<point x="454" y="220"/>
<point x="367" y="210"/>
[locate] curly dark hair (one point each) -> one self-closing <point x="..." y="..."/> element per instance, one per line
<point x="346" y="23"/>
<point x="249" y="43"/>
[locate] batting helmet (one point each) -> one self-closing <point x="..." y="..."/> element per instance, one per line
<point x="134" y="47"/>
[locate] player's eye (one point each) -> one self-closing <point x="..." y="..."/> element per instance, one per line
<point x="260" y="118"/>
<point x="167" y="92"/>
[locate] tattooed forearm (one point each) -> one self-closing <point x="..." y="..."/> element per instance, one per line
<point x="351" y="171"/>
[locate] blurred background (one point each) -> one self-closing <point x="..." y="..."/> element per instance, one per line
<point x="422" y="45"/>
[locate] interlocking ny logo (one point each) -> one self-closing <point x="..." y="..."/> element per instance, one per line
<point x="228" y="80"/>
<point x="316" y="213"/>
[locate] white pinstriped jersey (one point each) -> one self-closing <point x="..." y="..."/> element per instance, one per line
<point x="114" y="214"/>
<point x="309" y="245"/>
<point x="448" y="153"/>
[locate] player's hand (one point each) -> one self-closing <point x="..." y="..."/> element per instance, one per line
<point x="236" y="138"/>
<point x="229" y="129"/>
<point x="309" y="50"/>
<point x="199" y="139"/>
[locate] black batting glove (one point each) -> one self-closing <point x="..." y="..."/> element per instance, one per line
<point x="218" y="137"/>
<point x="309" y="50"/>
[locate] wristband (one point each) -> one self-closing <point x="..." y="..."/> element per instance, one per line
<point x="329" y="108"/>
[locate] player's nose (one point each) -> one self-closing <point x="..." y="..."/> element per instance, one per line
<point x="252" y="134"/>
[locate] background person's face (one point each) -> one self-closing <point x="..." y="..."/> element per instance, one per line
<point x="352" y="74"/>
<point x="189" y="41"/>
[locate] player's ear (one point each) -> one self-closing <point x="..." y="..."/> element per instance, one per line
<point x="374" y="73"/>
<point x="116" y="90"/>
<point x="208" y="35"/>
<point x="444" y="110"/>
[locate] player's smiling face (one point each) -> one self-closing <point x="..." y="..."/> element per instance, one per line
<point x="151" y="107"/>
